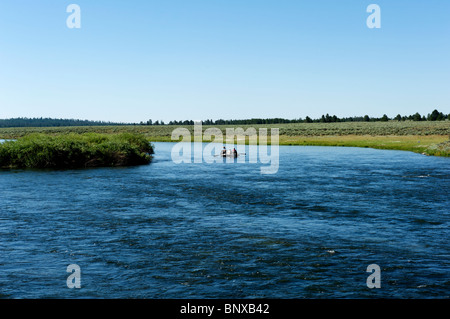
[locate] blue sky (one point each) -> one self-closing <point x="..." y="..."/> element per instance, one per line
<point x="231" y="59"/>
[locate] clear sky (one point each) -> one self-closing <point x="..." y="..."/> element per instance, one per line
<point x="208" y="59"/>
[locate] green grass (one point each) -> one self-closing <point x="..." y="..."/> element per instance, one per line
<point x="420" y="137"/>
<point x="38" y="150"/>
<point x="164" y="132"/>
<point x="426" y="144"/>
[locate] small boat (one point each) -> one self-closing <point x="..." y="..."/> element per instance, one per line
<point x="229" y="153"/>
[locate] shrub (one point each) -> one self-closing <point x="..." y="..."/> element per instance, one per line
<point x="76" y="151"/>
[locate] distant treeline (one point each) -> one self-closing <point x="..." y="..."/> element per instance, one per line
<point x="49" y="122"/>
<point x="433" y="116"/>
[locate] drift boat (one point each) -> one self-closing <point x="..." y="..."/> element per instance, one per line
<point x="230" y="153"/>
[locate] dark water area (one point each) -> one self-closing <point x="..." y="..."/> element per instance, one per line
<point x="224" y="230"/>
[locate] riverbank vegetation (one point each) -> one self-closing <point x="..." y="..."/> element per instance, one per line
<point x="71" y="150"/>
<point x="415" y="136"/>
<point x="436" y="145"/>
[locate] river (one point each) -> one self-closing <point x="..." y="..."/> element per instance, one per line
<point x="224" y="230"/>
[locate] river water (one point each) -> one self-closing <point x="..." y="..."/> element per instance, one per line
<point x="224" y="230"/>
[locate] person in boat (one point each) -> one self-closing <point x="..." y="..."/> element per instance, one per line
<point x="224" y="151"/>
<point x="235" y="154"/>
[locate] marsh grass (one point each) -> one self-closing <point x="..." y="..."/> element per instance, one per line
<point x="72" y="150"/>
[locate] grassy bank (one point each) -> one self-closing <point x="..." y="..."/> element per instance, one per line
<point x="429" y="144"/>
<point x="420" y="137"/>
<point x="38" y="150"/>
